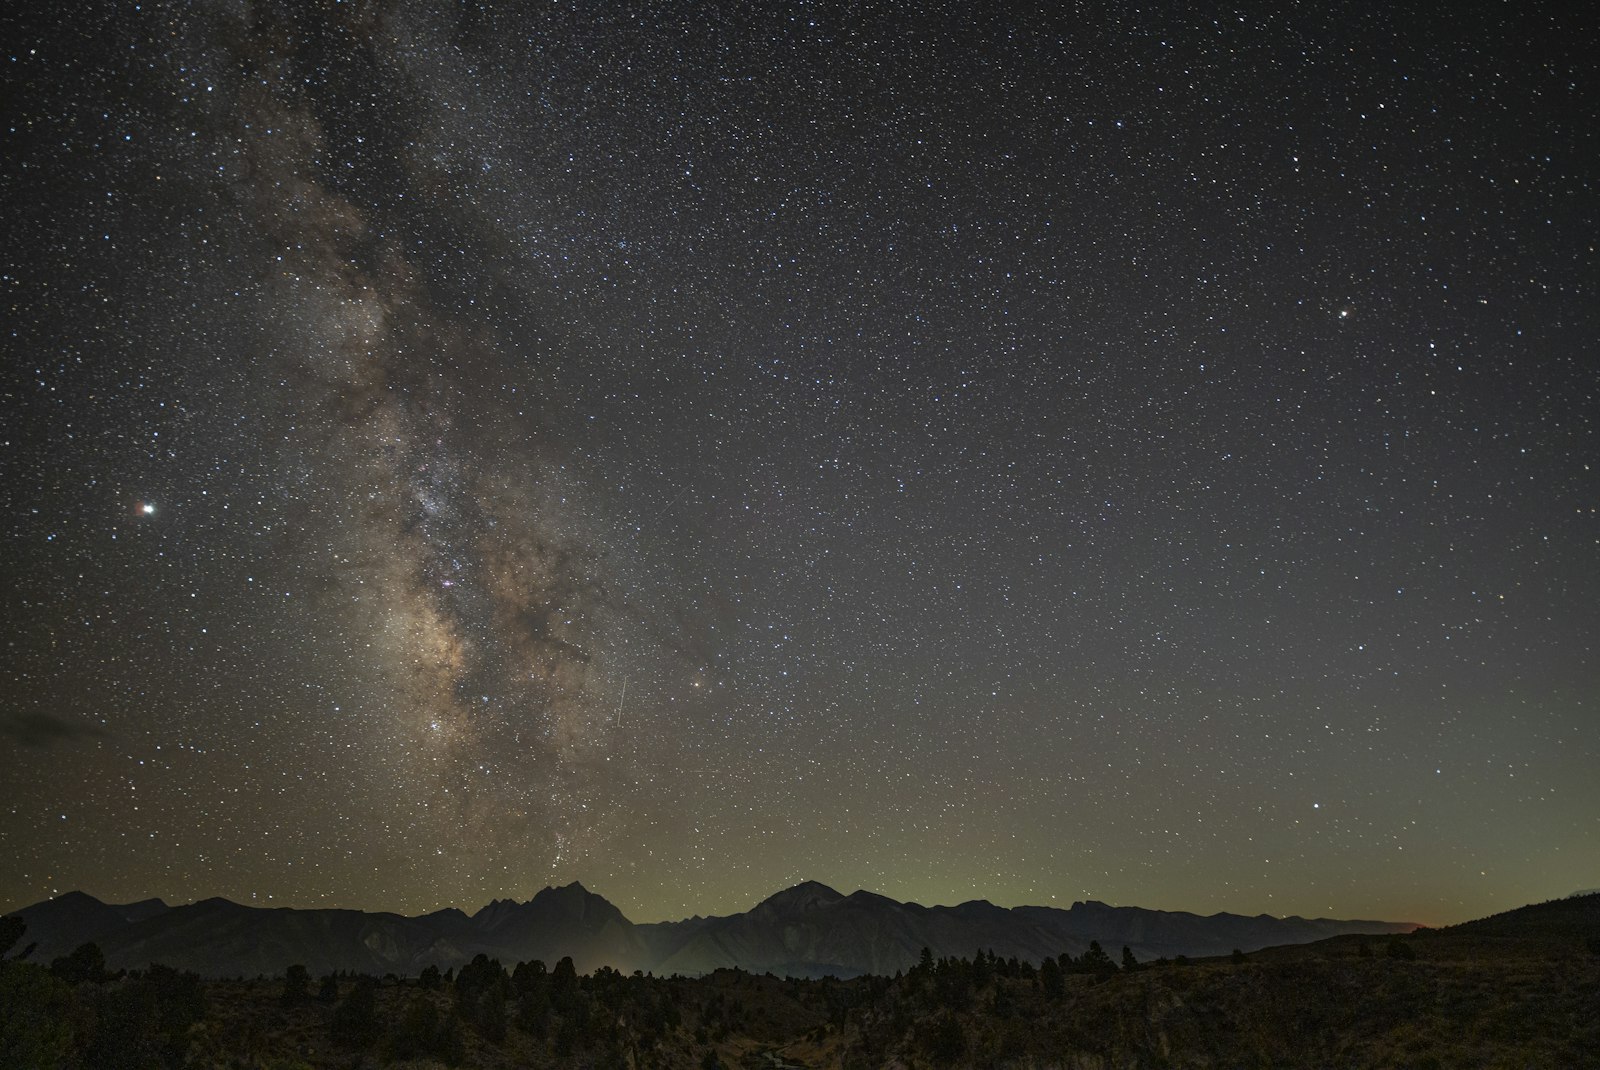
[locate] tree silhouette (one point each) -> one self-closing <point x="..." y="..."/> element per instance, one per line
<point x="1050" y="979"/>
<point x="482" y="989"/>
<point x="355" y="1019"/>
<point x="1128" y="961"/>
<point x="11" y="930"/>
<point x="143" y="1022"/>
<point x="1096" y="961"/>
<point x="296" y="986"/>
<point x="87" y="963"/>
<point x="533" y="1012"/>
<point x="422" y="1032"/>
<point x="528" y="976"/>
<point x="944" y="1039"/>
<point x="564" y="978"/>
<point x="35" y="1016"/>
<point x="1399" y="949"/>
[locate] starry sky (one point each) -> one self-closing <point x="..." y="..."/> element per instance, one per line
<point x="1122" y="453"/>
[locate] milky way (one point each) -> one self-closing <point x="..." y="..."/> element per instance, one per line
<point x="1136" y="455"/>
<point x="437" y="509"/>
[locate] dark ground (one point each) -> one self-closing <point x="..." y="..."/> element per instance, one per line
<point x="1520" y="989"/>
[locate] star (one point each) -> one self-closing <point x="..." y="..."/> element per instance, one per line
<point x="798" y="436"/>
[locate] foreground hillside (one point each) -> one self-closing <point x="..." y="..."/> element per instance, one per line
<point x="1518" y="990"/>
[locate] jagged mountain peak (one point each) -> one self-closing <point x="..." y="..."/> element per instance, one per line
<point x="75" y="896"/>
<point x="863" y="897"/>
<point x="151" y="903"/>
<point x="568" y="904"/>
<point x="496" y="910"/>
<point x="806" y="895"/>
<point x="574" y="892"/>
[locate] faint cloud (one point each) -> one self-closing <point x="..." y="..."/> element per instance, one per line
<point x="43" y="729"/>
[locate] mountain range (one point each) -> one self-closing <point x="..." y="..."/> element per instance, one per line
<point x="809" y="930"/>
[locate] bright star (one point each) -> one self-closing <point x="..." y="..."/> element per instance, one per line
<point x="147" y="509"/>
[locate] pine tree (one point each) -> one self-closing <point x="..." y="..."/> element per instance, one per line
<point x="1096" y="961"/>
<point x="1050" y="979"/>
<point x="296" y="985"/>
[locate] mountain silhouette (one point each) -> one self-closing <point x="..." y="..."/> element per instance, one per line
<point x="809" y="930"/>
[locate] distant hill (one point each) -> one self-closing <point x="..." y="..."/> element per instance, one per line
<point x="58" y="925"/>
<point x="812" y="930"/>
<point x="809" y="930"/>
<point x="1557" y="921"/>
<point x="219" y="938"/>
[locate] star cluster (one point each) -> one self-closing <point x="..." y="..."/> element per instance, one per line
<point x="1144" y="455"/>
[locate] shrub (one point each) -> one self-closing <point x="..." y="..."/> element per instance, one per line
<point x="34" y="1007"/>
<point x="296" y="986"/>
<point x="355" y="1019"/>
<point x="87" y="963"/>
<point x="943" y="1039"/>
<point x="1399" y="949"/>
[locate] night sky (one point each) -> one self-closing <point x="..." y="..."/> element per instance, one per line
<point x="1137" y="455"/>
